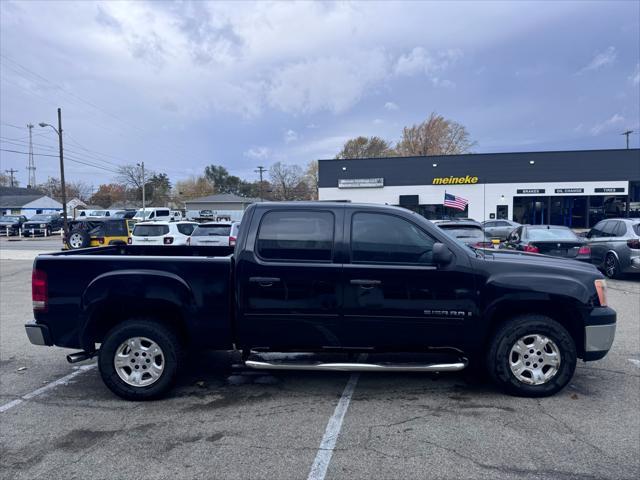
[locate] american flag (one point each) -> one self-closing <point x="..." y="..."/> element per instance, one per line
<point x="455" y="202"/>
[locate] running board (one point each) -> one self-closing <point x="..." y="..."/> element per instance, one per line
<point x="360" y="367"/>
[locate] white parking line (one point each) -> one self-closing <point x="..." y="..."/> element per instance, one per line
<point x="49" y="386"/>
<point x="634" y="361"/>
<point x="325" y="452"/>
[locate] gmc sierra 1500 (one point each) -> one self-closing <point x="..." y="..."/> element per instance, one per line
<point x="317" y="277"/>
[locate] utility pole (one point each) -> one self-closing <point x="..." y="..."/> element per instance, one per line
<point x="58" y="130"/>
<point x="12" y="172"/>
<point x="144" y="211"/>
<point x="31" y="165"/>
<point x="626" y="134"/>
<point x="260" y="170"/>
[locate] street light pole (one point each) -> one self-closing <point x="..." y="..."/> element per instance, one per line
<point x="58" y="130"/>
<point x="260" y="170"/>
<point x="144" y="210"/>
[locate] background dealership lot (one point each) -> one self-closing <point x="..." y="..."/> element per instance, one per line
<point x="226" y="423"/>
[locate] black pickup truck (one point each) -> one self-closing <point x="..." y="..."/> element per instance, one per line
<point x="324" y="277"/>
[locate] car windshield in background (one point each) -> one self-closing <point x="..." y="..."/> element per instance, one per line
<point x="8" y="218"/>
<point x="464" y="232"/>
<point x="41" y="217"/>
<point x="150" y="230"/>
<point x="542" y="234"/>
<point x="212" y="230"/>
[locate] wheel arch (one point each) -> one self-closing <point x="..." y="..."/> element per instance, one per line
<point x="116" y="297"/>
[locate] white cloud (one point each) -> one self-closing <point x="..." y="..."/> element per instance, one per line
<point x="326" y="83"/>
<point x="378" y="121"/>
<point x="391" y="106"/>
<point x="290" y="136"/>
<point x="607" y="125"/>
<point x="600" y="60"/>
<point x="578" y="128"/>
<point x="634" y="78"/>
<point x="432" y="65"/>
<point x="258" y="153"/>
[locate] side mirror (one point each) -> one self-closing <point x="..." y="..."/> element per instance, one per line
<point x="441" y="254"/>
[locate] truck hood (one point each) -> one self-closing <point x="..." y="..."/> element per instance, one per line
<point x="523" y="259"/>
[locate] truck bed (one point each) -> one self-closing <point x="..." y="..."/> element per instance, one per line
<point x="90" y="286"/>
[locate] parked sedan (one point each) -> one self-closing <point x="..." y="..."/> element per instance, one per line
<point x="467" y="231"/>
<point x="615" y="246"/>
<point x="162" y="233"/>
<point x="11" y="224"/>
<point x="215" y="234"/>
<point x="499" y="228"/>
<point x="553" y="240"/>
<point x="42" y="224"/>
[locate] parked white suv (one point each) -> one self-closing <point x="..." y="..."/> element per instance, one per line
<point x="153" y="214"/>
<point x="162" y="233"/>
<point x="215" y="234"/>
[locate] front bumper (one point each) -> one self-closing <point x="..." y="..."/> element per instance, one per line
<point x="38" y="334"/>
<point x="26" y="231"/>
<point x="599" y="332"/>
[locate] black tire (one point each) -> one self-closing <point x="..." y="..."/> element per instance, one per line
<point x="85" y="239"/>
<point x="498" y="356"/>
<point x="611" y="266"/>
<point x="164" y="337"/>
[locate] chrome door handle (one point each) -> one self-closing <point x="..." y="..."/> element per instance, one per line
<point x="365" y="283"/>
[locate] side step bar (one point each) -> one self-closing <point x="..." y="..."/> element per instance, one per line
<point x="360" y="367"/>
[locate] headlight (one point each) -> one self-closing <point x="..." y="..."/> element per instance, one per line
<point x="601" y="288"/>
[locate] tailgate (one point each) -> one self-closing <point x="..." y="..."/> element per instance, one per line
<point x="567" y="249"/>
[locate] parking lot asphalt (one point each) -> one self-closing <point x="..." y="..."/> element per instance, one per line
<point x="226" y="423"/>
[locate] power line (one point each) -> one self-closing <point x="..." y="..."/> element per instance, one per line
<point x="626" y="134"/>
<point x="31" y="165"/>
<point x="11" y="172"/>
<point x="72" y="159"/>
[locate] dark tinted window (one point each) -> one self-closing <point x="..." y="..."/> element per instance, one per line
<point x="636" y="228"/>
<point x="212" y="230"/>
<point x="186" y="228"/>
<point x="296" y="235"/>
<point x="150" y="230"/>
<point x="465" y="233"/>
<point x="116" y="229"/>
<point x="491" y="224"/>
<point x="384" y="238"/>
<point x="503" y="224"/>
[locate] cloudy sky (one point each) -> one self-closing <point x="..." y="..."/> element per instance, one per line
<point x="185" y="84"/>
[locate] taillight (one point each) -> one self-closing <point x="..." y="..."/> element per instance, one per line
<point x="39" y="290"/>
<point x="531" y="249"/>
<point x="130" y="240"/>
<point x="634" y="243"/>
<point x="100" y="240"/>
<point x="584" y="250"/>
<point x="601" y="288"/>
<point x="232" y="241"/>
<point x="168" y="240"/>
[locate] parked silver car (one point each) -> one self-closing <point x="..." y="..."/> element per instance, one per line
<point x="499" y="228"/>
<point x="615" y="246"/>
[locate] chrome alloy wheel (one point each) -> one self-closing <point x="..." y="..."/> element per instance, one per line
<point x="610" y="266"/>
<point x="139" y="361"/>
<point x="75" y="240"/>
<point x="534" y="359"/>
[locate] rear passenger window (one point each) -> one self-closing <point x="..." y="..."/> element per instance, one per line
<point x="620" y="230"/>
<point x="381" y="238"/>
<point x="186" y="228"/>
<point x="296" y="235"/>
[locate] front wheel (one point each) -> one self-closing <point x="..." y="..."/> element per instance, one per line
<point x="140" y="359"/>
<point x="611" y="266"/>
<point x="532" y="356"/>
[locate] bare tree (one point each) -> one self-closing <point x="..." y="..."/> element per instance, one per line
<point x="287" y="182"/>
<point x="435" y="136"/>
<point x="193" y="187"/>
<point x="312" y="178"/>
<point x="131" y="176"/>
<point x="366" y="147"/>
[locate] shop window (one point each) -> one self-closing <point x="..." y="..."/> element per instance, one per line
<point x="438" y="212"/>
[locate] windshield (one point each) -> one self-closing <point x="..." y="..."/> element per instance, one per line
<point x="143" y="214"/>
<point x="150" y="230"/>
<point x="212" y="230"/>
<point x="542" y="234"/>
<point x="9" y="218"/>
<point x="41" y="217"/>
<point x="466" y="233"/>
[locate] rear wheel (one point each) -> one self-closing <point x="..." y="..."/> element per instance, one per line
<point x="140" y="359"/>
<point x="532" y="356"/>
<point x="611" y="266"/>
